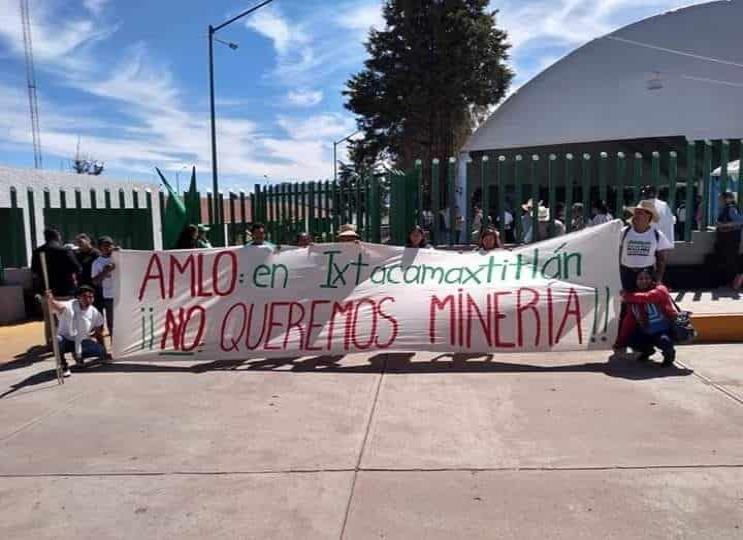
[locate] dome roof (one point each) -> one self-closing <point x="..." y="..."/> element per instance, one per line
<point x="675" y="74"/>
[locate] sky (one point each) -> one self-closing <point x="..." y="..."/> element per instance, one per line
<point x="128" y="79"/>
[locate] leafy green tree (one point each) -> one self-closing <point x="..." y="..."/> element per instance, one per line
<point x="433" y="73"/>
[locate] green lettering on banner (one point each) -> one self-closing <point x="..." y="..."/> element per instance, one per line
<point x="261" y="271"/>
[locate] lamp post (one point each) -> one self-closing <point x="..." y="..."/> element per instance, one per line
<point x="213" y="30"/>
<point x="335" y="149"/>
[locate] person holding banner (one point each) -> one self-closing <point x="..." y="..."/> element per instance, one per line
<point x="648" y="320"/>
<point x="78" y="321"/>
<point x="417" y="239"/>
<point x="348" y="233"/>
<point x="258" y="235"/>
<point x="304" y="239"/>
<point x="642" y="247"/>
<point x="489" y="241"/>
<point x="101" y="272"/>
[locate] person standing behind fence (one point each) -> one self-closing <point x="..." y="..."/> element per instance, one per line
<point x="642" y="247"/>
<point x="85" y="256"/>
<point x="666" y="219"/>
<point x="727" y="241"/>
<point x="258" y="235"/>
<point x="577" y="222"/>
<point x="62" y="266"/>
<point x="101" y="271"/>
<point x="600" y="213"/>
<point x="202" y="240"/>
<point x="188" y="238"/>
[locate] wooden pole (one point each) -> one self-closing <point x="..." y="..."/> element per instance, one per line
<point x="52" y="322"/>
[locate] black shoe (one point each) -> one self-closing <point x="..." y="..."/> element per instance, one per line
<point x="669" y="358"/>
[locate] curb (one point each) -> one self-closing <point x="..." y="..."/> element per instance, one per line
<point x="718" y="327"/>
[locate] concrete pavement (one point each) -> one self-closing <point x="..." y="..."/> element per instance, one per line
<point x="565" y="445"/>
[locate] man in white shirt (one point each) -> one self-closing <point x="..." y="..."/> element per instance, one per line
<point x="641" y="246"/>
<point x="78" y="321"/>
<point x="666" y="219"/>
<point x="101" y="271"/>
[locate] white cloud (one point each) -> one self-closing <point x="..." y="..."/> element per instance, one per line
<point x="362" y="17"/>
<point x="270" y="23"/>
<point x="96" y="7"/>
<point x="304" y="97"/>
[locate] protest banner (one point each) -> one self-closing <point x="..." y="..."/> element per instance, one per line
<point x="252" y="302"/>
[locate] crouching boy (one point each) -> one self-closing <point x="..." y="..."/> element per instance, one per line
<point x="648" y="321"/>
<point x="79" y="320"/>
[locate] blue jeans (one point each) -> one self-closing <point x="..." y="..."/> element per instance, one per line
<point x="90" y="349"/>
<point x="645" y="343"/>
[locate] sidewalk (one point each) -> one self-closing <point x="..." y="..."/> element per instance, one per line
<point x="384" y="446"/>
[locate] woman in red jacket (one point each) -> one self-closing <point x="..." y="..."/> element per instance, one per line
<point x="648" y="320"/>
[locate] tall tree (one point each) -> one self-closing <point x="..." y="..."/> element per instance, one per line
<point x="432" y="74"/>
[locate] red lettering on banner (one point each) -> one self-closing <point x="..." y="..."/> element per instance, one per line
<point x="199" y="333"/>
<point x="574" y="310"/>
<point x="173" y="327"/>
<point x="200" y="289"/>
<point x="231" y="272"/>
<point x="521" y="308"/>
<point x="295" y="323"/>
<point x="437" y="304"/>
<point x="271" y="325"/>
<point x="392" y="321"/>
<point x="355" y="329"/>
<point x="345" y="310"/>
<point x="550" y="322"/>
<point x="249" y="325"/>
<point x="176" y="269"/>
<point x="498" y="316"/>
<point x="485" y="322"/>
<point x="311" y="324"/>
<point x="153" y="264"/>
<point x="235" y="346"/>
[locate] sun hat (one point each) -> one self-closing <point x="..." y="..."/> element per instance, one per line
<point x="544" y="213"/>
<point x="646" y="206"/>
<point x="203" y="228"/>
<point x="348" y="230"/>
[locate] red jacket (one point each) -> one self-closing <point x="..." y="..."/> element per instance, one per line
<point x="658" y="296"/>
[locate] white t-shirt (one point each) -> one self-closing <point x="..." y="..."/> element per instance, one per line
<point x="107" y="284"/>
<point x="666" y="221"/>
<point x="74" y="319"/>
<point x="638" y="249"/>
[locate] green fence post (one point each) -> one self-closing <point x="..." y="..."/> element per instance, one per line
<point x="706" y="184"/>
<point x="501" y="187"/>
<point x="636" y="178"/>
<point x="724" y="158"/>
<point x="569" y="186"/>
<point x="254" y="204"/>
<point x="621" y="174"/>
<point x="32" y="216"/>
<point x="93" y="199"/>
<point x="435" y="200"/>
<point x="519" y="197"/>
<point x="15" y="238"/>
<point x="367" y="207"/>
<point x="62" y="199"/>
<point x="231" y="237"/>
<point x="311" y="209"/>
<point x="451" y="199"/>
<point x="419" y="192"/>
<point x="210" y="209"/>
<point x="534" y="181"/>
<point x="122" y="198"/>
<point x="691" y="149"/>
<point x="336" y="208"/>
<point x="376" y="211"/>
<point x="603" y="163"/>
<point x="485" y="191"/>
<point x="327" y="217"/>
<point x="586" y="186"/>
<point x="672" y="180"/>
<point x="551" y="194"/>
<point x="107" y="200"/>
<point x="221" y="239"/>
<point x="655" y="171"/>
<point x="243" y="217"/>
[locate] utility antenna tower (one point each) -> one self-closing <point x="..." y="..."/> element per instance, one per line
<point x="31" y="82"/>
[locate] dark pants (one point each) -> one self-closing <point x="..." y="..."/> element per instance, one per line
<point x="108" y="310"/>
<point x="90" y="349"/>
<point x="645" y="343"/>
<point x="727" y="248"/>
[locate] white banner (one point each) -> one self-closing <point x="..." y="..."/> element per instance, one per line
<point x="249" y="302"/>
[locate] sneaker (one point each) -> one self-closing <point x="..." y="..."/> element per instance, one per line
<point x="669" y="358"/>
<point x="66" y="373"/>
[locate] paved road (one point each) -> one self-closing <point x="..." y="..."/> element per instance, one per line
<point x="386" y="446"/>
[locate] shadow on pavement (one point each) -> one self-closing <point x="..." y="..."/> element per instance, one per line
<point x="616" y="366"/>
<point x="37" y="353"/>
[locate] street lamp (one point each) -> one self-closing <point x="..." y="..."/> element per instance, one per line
<point x="335" y="147"/>
<point x="213" y="30"/>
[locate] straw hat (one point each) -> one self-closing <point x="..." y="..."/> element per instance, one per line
<point x="348" y="231"/>
<point x="544" y="214"/>
<point x="647" y="206"/>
